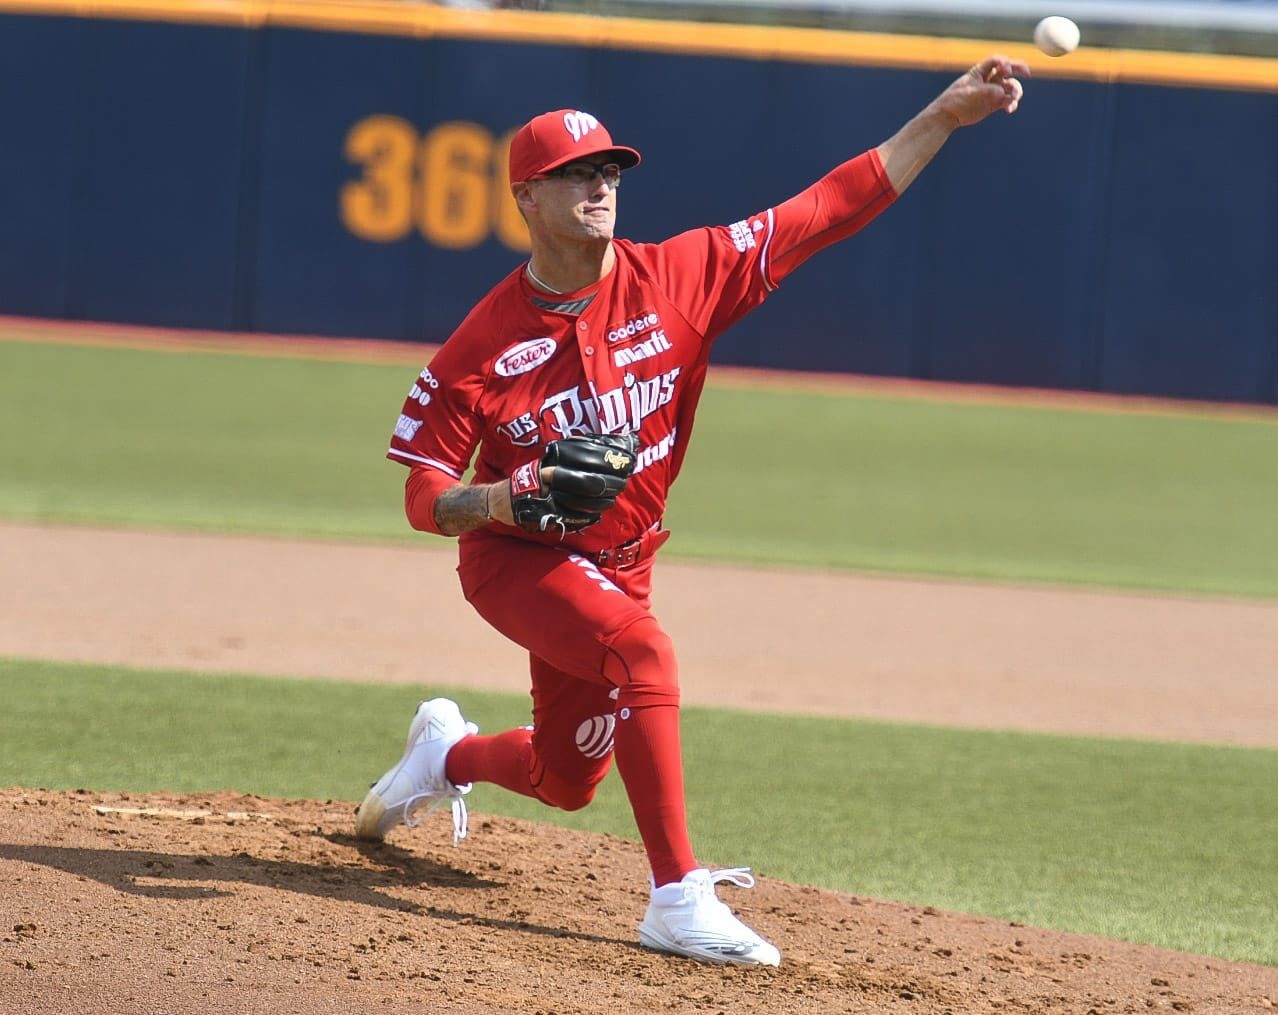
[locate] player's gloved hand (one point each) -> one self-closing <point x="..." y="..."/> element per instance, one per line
<point x="574" y="483"/>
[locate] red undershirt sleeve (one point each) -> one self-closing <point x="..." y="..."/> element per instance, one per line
<point x="832" y="209"/>
<point x="421" y="490"/>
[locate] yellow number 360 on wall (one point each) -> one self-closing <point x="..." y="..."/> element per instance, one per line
<point x="451" y="184"/>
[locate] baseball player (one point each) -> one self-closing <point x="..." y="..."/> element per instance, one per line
<point x="576" y="382"/>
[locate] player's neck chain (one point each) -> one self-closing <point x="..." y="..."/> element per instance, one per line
<point x="533" y="275"/>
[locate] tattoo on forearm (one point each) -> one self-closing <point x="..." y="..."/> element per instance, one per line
<point x="462" y="508"/>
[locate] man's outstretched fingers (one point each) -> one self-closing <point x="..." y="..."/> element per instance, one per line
<point x="998" y="67"/>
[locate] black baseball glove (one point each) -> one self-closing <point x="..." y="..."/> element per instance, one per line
<point x="589" y="473"/>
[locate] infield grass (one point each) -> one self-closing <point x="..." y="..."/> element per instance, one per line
<point x="1166" y="844"/>
<point x="224" y="442"/>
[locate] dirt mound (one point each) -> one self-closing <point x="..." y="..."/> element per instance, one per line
<point x="225" y="903"/>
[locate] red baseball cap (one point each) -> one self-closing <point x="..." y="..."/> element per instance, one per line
<point x="559" y="137"/>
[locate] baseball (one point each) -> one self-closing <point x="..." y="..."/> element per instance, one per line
<point x="1056" y="36"/>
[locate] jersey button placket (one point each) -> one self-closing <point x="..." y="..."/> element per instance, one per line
<point x="584" y="328"/>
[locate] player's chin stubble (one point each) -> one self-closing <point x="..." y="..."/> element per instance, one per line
<point x="599" y="224"/>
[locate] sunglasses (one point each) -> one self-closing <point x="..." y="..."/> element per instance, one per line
<point x="581" y="174"/>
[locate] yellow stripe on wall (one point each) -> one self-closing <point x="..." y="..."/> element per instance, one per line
<point x="420" y="19"/>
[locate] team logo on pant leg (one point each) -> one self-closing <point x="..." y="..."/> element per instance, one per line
<point x="594" y="736"/>
<point x="593" y="573"/>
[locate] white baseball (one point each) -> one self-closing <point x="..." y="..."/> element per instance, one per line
<point x="1056" y="36"/>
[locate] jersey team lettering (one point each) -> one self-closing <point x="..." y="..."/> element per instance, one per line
<point x="623" y="408"/>
<point x="525" y="356"/>
<point x="656" y="452"/>
<point x="521" y="431"/>
<point x="577" y="410"/>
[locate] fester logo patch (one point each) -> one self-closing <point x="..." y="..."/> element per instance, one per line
<point x="525" y="356"/>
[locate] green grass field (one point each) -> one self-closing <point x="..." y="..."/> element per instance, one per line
<point x="1162" y="843"/>
<point x="235" y="443"/>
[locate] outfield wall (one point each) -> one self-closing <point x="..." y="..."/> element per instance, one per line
<point x="338" y="169"/>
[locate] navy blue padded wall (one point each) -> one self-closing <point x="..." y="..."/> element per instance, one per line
<point x="1188" y="304"/>
<point x="311" y="275"/>
<point x="1108" y="236"/>
<point x="155" y="226"/>
<point x="40" y="57"/>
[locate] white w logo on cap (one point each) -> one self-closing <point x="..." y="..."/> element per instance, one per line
<point x="579" y="124"/>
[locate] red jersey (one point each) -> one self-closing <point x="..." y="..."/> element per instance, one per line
<point x="628" y="353"/>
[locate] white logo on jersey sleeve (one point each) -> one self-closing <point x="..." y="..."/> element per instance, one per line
<point x="419" y="392"/>
<point x="406" y="428"/>
<point x="742" y="236"/>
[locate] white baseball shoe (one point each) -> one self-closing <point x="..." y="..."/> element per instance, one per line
<point x="686" y="918"/>
<point x="418" y="778"/>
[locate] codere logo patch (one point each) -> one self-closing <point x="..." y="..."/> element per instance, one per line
<point x="637" y="325"/>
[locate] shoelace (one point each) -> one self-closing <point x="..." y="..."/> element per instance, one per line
<point x="461" y="817"/>
<point x="739" y="876"/>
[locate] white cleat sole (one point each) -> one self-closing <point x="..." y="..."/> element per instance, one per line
<point x="757" y="957"/>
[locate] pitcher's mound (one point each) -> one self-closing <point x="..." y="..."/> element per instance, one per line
<point x="225" y="903"/>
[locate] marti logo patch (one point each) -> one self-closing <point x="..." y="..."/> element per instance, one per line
<point x="525" y="356"/>
<point x="655" y="345"/>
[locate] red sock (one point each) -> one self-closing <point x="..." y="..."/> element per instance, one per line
<point x="503" y="759"/>
<point x="650" y="761"/>
<point x="646" y="744"/>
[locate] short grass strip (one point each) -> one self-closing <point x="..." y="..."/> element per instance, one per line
<point x="295" y="447"/>
<point x="1167" y="844"/>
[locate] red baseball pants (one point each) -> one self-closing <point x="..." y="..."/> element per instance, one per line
<point x="604" y="681"/>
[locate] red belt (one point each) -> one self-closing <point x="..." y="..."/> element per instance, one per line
<point x="618" y="558"/>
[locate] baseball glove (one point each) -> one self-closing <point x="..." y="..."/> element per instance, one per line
<point x="587" y="474"/>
